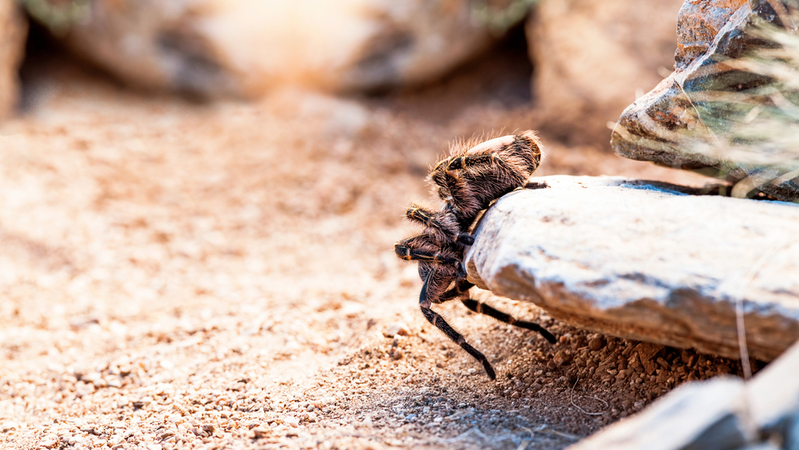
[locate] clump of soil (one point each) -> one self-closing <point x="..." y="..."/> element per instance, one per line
<point x="183" y="275"/>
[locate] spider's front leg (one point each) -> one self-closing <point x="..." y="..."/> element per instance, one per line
<point x="421" y="248"/>
<point x="443" y="225"/>
<point x="434" y="291"/>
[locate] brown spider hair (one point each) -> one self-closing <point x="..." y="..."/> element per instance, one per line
<point x="473" y="177"/>
<point x="468" y="181"/>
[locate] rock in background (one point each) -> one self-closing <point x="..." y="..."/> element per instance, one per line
<point x="591" y="57"/>
<point x="729" y="109"/>
<point x="13" y="31"/>
<point x="246" y="47"/>
<point x="723" y="414"/>
<point x="645" y="261"/>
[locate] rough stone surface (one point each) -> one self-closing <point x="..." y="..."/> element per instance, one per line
<point x="722" y="414"/>
<point x="694" y="118"/>
<point x="590" y="58"/>
<point x="698" y="23"/>
<point x="245" y="47"/>
<point x="644" y="261"/>
<point x="13" y="30"/>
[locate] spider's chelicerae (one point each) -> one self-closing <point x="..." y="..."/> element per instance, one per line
<point x="468" y="181"/>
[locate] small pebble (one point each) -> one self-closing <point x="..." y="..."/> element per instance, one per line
<point x="259" y="432"/>
<point x="562" y="357"/>
<point x="82" y="388"/>
<point x="396" y="329"/>
<point x="596" y="343"/>
<point x="48" y="441"/>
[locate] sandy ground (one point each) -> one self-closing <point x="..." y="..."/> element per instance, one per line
<point x="178" y="274"/>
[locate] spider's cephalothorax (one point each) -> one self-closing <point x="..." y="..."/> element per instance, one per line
<point x="467" y="181"/>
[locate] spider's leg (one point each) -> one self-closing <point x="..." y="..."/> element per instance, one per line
<point x="439" y="322"/>
<point x="483" y="308"/>
<point x="465" y="239"/>
<point x="423" y="216"/>
<point x="452" y="294"/>
<point x="535" y="185"/>
<point x="410" y="254"/>
<point x="444" y="226"/>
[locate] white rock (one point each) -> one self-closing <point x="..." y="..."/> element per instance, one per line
<point x="723" y="413"/>
<point x="703" y="415"/>
<point x="640" y="261"/>
<point x="774" y="397"/>
<point x="246" y="47"/>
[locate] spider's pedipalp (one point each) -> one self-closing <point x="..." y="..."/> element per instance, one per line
<point x="410" y="254"/>
<point x="423" y="247"/>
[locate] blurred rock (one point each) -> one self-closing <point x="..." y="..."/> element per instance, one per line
<point x="13" y="32"/>
<point x="703" y="115"/>
<point x="246" y="47"/>
<point x="704" y="415"/>
<point x="774" y="398"/>
<point x="644" y="261"/>
<point x="592" y="56"/>
<point x="723" y="414"/>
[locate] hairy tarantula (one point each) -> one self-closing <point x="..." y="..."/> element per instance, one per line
<point x="468" y="181"/>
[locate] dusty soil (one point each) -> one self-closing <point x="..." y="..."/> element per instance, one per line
<point x="178" y="274"/>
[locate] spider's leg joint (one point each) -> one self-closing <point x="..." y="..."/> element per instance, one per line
<point x="465" y="239"/>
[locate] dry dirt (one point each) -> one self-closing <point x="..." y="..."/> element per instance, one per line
<point x="177" y="274"/>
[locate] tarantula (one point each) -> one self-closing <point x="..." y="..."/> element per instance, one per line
<point x="468" y="181"/>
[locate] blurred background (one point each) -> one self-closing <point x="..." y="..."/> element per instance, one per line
<point x="238" y="170"/>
